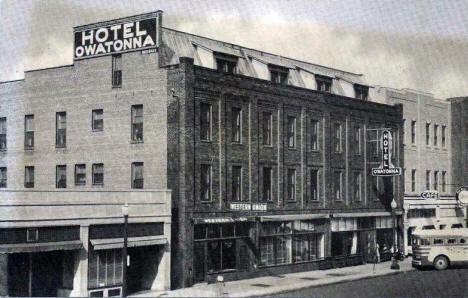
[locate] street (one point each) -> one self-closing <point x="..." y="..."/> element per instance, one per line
<point x="427" y="283"/>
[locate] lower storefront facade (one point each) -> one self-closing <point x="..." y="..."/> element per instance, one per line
<point x="240" y="247"/>
<point x="52" y="248"/>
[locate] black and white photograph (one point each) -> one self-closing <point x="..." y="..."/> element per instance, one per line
<point x="221" y="148"/>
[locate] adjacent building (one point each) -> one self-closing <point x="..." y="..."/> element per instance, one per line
<point x="267" y="159"/>
<point x="430" y="179"/>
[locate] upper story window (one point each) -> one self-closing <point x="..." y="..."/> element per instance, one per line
<point x="237" y="183"/>
<point x="314" y="184"/>
<point x="267" y="128"/>
<point x="98" y="174"/>
<point x="323" y="83"/>
<point x="314" y="135"/>
<point x="28" y="177"/>
<point x="117" y="70"/>
<point x="413" y="131"/>
<point x="357" y="140"/>
<point x="361" y="92"/>
<point x="291" y="126"/>
<point x="413" y="180"/>
<point x="61" y="130"/>
<point x="443" y="136"/>
<point x="3" y="133"/>
<point x="29" y="131"/>
<point x="357" y="185"/>
<point x="236" y="114"/>
<point x="338" y="185"/>
<point x="226" y="63"/>
<point x="98" y="120"/>
<point x="278" y="74"/>
<point x="337" y="131"/>
<point x="267" y="184"/>
<point x="61" y="176"/>
<point x="205" y="183"/>
<point x="137" y="123"/>
<point x="436" y="128"/>
<point x="291" y="184"/>
<point x="205" y="122"/>
<point x="428" y="136"/>
<point x="444" y="181"/>
<point x="436" y="180"/>
<point x="80" y="174"/>
<point x="3" y="177"/>
<point x="137" y="175"/>
<point x="428" y="179"/>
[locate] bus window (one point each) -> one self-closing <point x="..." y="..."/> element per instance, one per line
<point x="425" y="242"/>
<point x="462" y="240"/>
<point x="452" y="241"/>
<point x="438" y="241"/>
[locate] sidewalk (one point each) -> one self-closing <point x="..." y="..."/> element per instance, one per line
<point x="269" y="285"/>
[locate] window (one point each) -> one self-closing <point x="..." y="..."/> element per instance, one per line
<point x="361" y="92"/>
<point x="291" y="184"/>
<point x="205" y="183"/>
<point x="443" y="136"/>
<point x="451" y="241"/>
<point x="29" y="177"/>
<point x="97" y="121"/>
<point x="337" y="137"/>
<point x="421" y="213"/>
<point x="375" y="187"/>
<point x="3" y="177"/>
<point x="323" y="83"/>
<point x="61" y="178"/>
<point x="29" y="131"/>
<point x="267" y="128"/>
<point x="275" y="243"/>
<point x="137" y="123"/>
<point x="98" y="174"/>
<point x="267" y="185"/>
<point x="3" y="133"/>
<point x="205" y="122"/>
<point x="278" y="74"/>
<point x="444" y="181"/>
<point x="61" y="133"/>
<point x="314" y="135"/>
<point x="226" y="63"/>
<point x="438" y="241"/>
<point x="436" y="180"/>
<point x="413" y="180"/>
<point x="357" y="140"/>
<point x="291" y="131"/>
<point x="357" y="185"/>
<point x="80" y="174"/>
<point x="314" y="184"/>
<point x="307" y="247"/>
<point x="32" y="234"/>
<point x="428" y="180"/>
<point x="137" y="175"/>
<point x="105" y="268"/>
<point x="427" y="133"/>
<point x="236" y="125"/>
<point x="117" y="70"/>
<point x="338" y="185"/>
<point x="436" y="128"/>
<point x="237" y="183"/>
<point x="413" y="132"/>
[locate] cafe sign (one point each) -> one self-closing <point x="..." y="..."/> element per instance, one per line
<point x="430" y="194"/>
<point x="386" y="167"/>
<point x="115" y="38"/>
<point x="248" y="207"/>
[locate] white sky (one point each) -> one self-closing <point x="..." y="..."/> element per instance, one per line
<point x="403" y="44"/>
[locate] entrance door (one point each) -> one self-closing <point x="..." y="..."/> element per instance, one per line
<point x="368" y="246"/>
<point x="199" y="262"/>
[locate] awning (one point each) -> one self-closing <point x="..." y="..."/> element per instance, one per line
<point x="292" y="217"/>
<point x="222" y="220"/>
<point x="40" y="247"/>
<point x="362" y="214"/>
<point x="111" y="243"/>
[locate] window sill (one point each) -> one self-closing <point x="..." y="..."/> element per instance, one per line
<point x="80" y="184"/>
<point x="205" y="202"/>
<point x="60" y="147"/>
<point x="136" y="142"/>
<point x="97" y="130"/>
<point x="237" y="144"/>
<point x="28" y="148"/>
<point x="117" y="87"/>
<point x="206" y="141"/>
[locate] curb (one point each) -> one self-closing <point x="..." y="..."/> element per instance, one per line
<point x="330" y="282"/>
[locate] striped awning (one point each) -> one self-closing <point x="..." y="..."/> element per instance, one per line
<point x="40" y="247"/>
<point x="112" y="243"/>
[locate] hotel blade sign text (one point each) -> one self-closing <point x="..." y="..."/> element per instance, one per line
<point x="386" y="168"/>
<point x="115" y="38"/>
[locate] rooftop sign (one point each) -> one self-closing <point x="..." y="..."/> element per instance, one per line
<point x="386" y="168"/>
<point x="129" y="34"/>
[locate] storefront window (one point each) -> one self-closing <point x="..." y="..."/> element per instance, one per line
<point x="105" y="268"/>
<point x="344" y="243"/>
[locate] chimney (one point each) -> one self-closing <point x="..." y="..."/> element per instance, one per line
<point x="159" y="18"/>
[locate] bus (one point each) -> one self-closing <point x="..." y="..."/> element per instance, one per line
<point x="440" y="248"/>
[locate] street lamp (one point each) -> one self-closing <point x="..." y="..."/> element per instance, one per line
<point x="395" y="264"/>
<point x="124" y="253"/>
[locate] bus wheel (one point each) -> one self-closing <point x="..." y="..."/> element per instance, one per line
<point x="441" y="263"/>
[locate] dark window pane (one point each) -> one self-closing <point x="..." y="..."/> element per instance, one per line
<point x="61" y="176"/>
